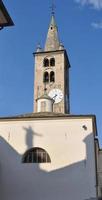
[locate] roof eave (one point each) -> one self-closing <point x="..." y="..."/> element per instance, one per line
<point x="6" y="15"/>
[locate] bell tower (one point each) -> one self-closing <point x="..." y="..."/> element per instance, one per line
<point x="52" y="69"/>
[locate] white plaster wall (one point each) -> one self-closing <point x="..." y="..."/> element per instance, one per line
<point x="71" y="173"/>
<point x="49" y="105"/>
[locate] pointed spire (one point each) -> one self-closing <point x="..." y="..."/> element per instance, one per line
<point x="39" y="49"/>
<point x="52" y="41"/>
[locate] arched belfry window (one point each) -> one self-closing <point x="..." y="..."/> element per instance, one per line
<point x="46" y="77"/>
<point x="46" y="62"/>
<point x="52" y="76"/>
<point x="36" y="155"/>
<point x="52" y="62"/>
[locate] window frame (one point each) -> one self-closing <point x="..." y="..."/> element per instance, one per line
<point x="46" y="62"/>
<point x="52" y="62"/>
<point x="52" y="76"/>
<point x="46" y="77"/>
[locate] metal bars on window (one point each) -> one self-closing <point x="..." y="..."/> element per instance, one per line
<point x="36" y="155"/>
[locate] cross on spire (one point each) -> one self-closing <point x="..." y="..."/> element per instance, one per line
<point x="52" y="40"/>
<point x="53" y="8"/>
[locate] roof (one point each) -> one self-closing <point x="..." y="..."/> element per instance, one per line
<point x="5" y="19"/>
<point x="45" y="96"/>
<point x="48" y="115"/>
<point x="52" y="41"/>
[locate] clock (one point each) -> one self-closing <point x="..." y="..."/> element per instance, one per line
<point x="56" y="95"/>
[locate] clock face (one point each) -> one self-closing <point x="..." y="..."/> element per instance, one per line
<point x="56" y="95"/>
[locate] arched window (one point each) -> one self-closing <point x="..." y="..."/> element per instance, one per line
<point x="52" y="76"/>
<point x="36" y="155"/>
<point x="46" y="62"/>
<point x="52" y="62"/>
<point x="46" y="77"/>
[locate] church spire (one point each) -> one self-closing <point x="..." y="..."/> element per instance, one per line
<point x="52" y="41"/>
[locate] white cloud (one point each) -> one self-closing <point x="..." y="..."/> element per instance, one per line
<point x="97" y="4"/>
<point x="97" y="25"/>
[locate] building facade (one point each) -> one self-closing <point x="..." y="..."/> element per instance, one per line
<point x="5" y="19"/>
<point x="50" y="154"/>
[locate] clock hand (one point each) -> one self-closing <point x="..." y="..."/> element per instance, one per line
<point x="55" y="96"/>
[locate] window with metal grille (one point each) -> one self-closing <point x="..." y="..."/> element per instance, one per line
<point x="36" y="155"/>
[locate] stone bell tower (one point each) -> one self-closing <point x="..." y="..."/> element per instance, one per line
<point x="52" y="69"/>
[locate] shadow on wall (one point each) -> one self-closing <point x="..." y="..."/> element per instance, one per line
<point x="20" y="181"/>
<point x="30" y="134"/>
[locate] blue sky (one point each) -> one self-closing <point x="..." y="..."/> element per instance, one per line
<point x="80" y="30"/>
